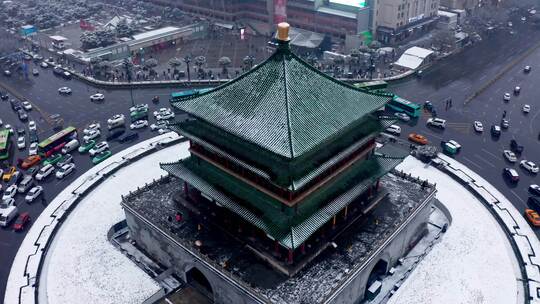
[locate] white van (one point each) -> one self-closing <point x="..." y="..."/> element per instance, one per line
<point x="7" y="215"/>
<point x="70" y="146"/>
<point x="26" y="184"/>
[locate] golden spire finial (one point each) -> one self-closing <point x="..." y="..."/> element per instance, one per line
<point x="283" y="31"/>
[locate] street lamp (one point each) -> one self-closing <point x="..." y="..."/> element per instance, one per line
<point x="128" y="68"/>
<point x="187" y="60"/>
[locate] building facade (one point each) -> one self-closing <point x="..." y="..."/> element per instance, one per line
<point x="395" y="20"/>
<point x="461" y="4"/>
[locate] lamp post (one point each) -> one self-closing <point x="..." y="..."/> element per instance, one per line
<point x="187" y="60"/>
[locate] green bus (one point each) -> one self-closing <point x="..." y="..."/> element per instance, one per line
<point x="4" y="144"/>
<point x="57" y="141"/>
<point x="403" y="105"/>
<point x="178" y="96"/>
<point x="372" y="85"/>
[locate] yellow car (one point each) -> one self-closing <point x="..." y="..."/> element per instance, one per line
<point x="8" y="174"/>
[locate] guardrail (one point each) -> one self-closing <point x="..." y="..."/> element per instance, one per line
<point x="34" y="262"/>
<point x="527" y="254"/>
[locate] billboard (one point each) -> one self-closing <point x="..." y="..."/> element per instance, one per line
<point x="355" y="3"/>
<point x="280" y="11"/>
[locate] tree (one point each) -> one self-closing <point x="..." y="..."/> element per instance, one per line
<point x="123" y="28"/>
<point x="224" y="62"/>
<point x="175" y="63"/>
<point x="199" y="62"/>
<point x="89" y="40"/>
<point x="444" y="38"/>
<point x="248" y="61"/>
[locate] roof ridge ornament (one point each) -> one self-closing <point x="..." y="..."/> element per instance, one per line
<point x="283" y="35"/>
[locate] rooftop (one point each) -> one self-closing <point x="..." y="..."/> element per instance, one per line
<point x="331" y="267"/>
<point x="284" y="106"/>
<point x="156" y="33"/>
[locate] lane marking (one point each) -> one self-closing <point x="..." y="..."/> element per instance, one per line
<point x="485" y="161"/>
<point x="487" y="152"/>
<point x="472" y="162"/>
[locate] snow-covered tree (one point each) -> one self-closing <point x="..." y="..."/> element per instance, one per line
<point x="123" y="28"/>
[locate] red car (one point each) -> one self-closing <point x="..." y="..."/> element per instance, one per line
<point x="30" y="161"/>
<point x="22" y="221"/>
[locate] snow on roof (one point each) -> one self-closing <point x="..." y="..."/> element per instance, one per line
<point x="336" y="12"/>
<point x="156" y="33"/>
<point x="58" y="38"/>
<point x="413" y="57"/>
<point x="116" y="19"/>
<point x="446" y="14"/>
<point x="474" y="246"/>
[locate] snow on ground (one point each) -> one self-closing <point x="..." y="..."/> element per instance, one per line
<point x="82" y="266"/>
<point x="472" y="264"/>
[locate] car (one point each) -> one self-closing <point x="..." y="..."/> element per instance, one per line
<point x="116" y="121"/>
<point x="50" y="60"/>
<point x="402" y="116"/>
<point x="34" y="193"/>
<point x="4" y="95"/>
<point x="65" y="170"/>
<point x="27" y="105"/>
<point x="495" y="131"/>
<point x="64" y="90"/>
<point x="33" y="149"/>
<point x="21" y="221"/>
<point x="510" y="156"/>
<point x="505" y="123"/>
<point x="26" y="183"/>
<point x="66" y="159"/>
<point x="10" y="192"/>
<point x="44" y="65"/>
<point x="139" y="107"/>
<point x="115" y="133"/>
<point x="534" y="189"/>
<point x="15" y="105"/>
<point x="66" y="75"/>
<point x="22" y="115"/>
<point x="526" y="108"/>
<point x="20" y="131"/>
<point x="511" y="174"/>
<point x="393" y="129"/>
<point x="9" y="173"/>
<point x="9" y="128"/>
<point x="32" y="135"/>
<point x="32" y="125"/>
<point x="53" y="159"/>
<point x="417" y="138"/>
<point x="455" y="144"/>
<point x="128" y="137"/>
<point x="35" y="72"/>
<point x="44" y="172"/>
<point x="527" y="69"/>
<point x="92" y="135"/>
<point x="478" y="126"/>
<point x="30" y="161"/>
<point x="510" y="24"/>
<point x="529" y="166"/>
<point x="138" y="115"/>
<point x="97" y="97"/>
<point x="165" y="116"/>
<point x="7" y="73"/>
<point x="533" y="217"/>
<point x="162" y="111"/>
<point x="159" y="125"/>
<point x="21" y="142"/>
<point x="534" y="203"/>
<point x="101" y="156"/>
<point x="58" y="71"/>
<point x="514" y="146"/>
<point x="86" y="146"/>
<point x="436" y="122"/>
<point x="155" y="99"/>
<point x="164" y="130"/>
<point x="506" y="96"/>
<point x="10" y="202"/>
<point x="91" y="127"/>
<point x="98" y="148"/>
<point x="139" y="124"/>
<point x="517" y="90"/>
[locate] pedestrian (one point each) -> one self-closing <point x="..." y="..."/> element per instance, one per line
<point x="504" y="113"/>
<point x="178" y="217"/>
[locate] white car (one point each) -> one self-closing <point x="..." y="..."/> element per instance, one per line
<point x="455" y="144"/>
<point x="32" y="125"/>
<point x="9" y="193"/>
<point x="478" y="126"/>
<point x="165" y="116"/>
<point x="44" y="65"/>
<point x="97" y="97"/>
<point x="139" y="107"/>
<point x="162" y="111"/>
<point x="34" y="193"/>
<point x="66" y="90"/>
<point x="98" y="148"/>
<point x="510" y="156"/>
<point x="91" y="135"/>
<point x="527" y="69"/>
<point x="33" y="149"/>
<point x="529" y="166"/>
<point x="65" y="170"/>
<point x="158" y="125"/>
<point x="35" y="72"/>
<point x="526" y="108"/>
<point x="436" y="122"/>
<point x="118" y="118"/>
<point x="517" y="90"/>
<point x="9" y="128"/>
<point x="21" y="142"/>
<point x="402" y="116"/>
<point x="506" y="96"/>
<point x="393" y="129"/>
<point x="139" y="124"/>
<point x="92" y="127"/>
<point x="164" y="130"/>
<point x="44" y="172"/>
<point x="26" y="105"/>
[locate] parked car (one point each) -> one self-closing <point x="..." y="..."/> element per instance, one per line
<point x="30" y="161"/>
<point x="32" y="125"/>
<point x="65" y="170"/>
<point x="478" y="126"/>
<point x="98" y="148"/>
<point x="65" y="90"/>
<point x="162" y="111"/>
<point x="44" y="172"/>
<point x="511" y="174"/>
<point x="128" y="137"/>
<point x="436" y="122"/>
<point x="22" y="115"/>
<point x="116" y="121"/>
<point x="53" y="159"/>
<point x="86" y="146"/>
<point x="527" y="69"/>
<point x="21" y="142"/>
<point x="506" y="97"/>
<point x="93" y="134"/>
<point x="534" y="203"/>
<point x="392" y="129"/>
<point x="26" y="105"/>
<point x="510" y="156"/>
<point x="533" y="217"/>
<point x="514" y="146"/>
<point x="35" y="72"/>
<point x="97" y="97"/>
<point x="70" y="146"/>
<point x="517" y="90"/>
<point x="9" y="128"/>
<point x="160" y="125"/>
<point x="8" y="214"/>
<point x="417" y="138"/>
<point x="101" y="156"/>
<point x="529" y="166"/>
<point x="139" y="124"/>
<point x="526" y="108"/>
<point x="9" y="173"/>
<point x="495" y="131"/>
<point x="9" y="193"/>
<point x="22" y="221"/>
<point x="34" y="193"/>
<point x="66" y="159"/>
<point x="505" y="123"/>
<point x="33" y="150"/>
<point x="26" y="184"/>
<point x="44" y="65"/>
<point x="165" y="116"/>
<point x="91" y="127"/>
<point x="139" y="107"/>
<point x="115" y="133"/>
<point x="534" y="189"/>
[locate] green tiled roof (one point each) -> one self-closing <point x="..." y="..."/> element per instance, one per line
<point x="284" y="106"/>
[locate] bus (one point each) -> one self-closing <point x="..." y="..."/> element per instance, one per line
<point x="403" y="105"/>
<point x="57" y="141"/>
<point x="178" y="96"/>
<point x="4" y="144"/>
<point x="372" y="85"/>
